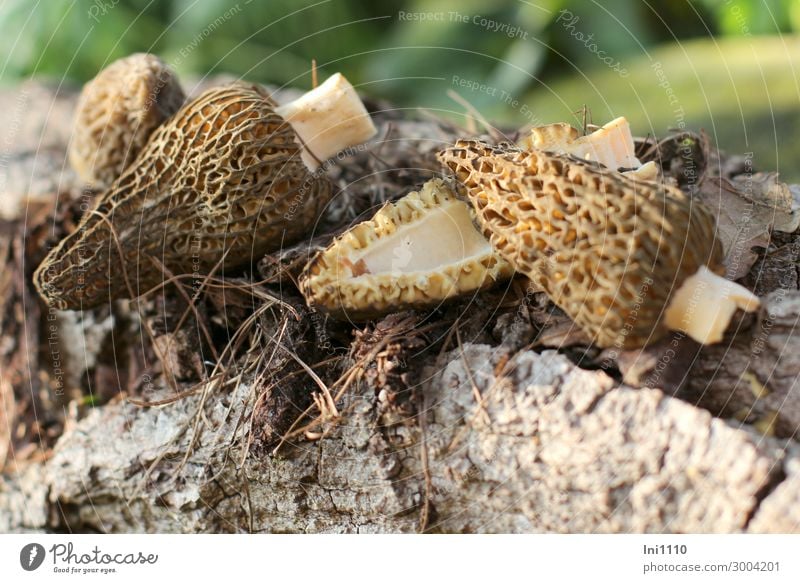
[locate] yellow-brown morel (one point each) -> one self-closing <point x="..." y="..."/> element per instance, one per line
<point x="416" y="252"/>
<point x="626" y="259"/>
<point x="223" y="181"/>
<point x="116" y="113"/>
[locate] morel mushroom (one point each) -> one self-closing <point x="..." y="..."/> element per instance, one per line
<point x="416" y="252"/>
<point x="221" y="182"/>
<point x="117" y="111"/>
<point x="625" y="259"/>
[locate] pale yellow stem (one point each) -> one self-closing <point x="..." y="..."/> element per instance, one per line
<point x="704" y="305"/>
<point x="328" y="119"/>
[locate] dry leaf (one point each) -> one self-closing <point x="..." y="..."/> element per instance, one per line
<point x="747" y="209"/>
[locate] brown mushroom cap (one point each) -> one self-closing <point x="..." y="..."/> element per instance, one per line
<point x="416" y="252"/>
<point x="608" y="249"/>
<point x="221" y="179"/>
<point x="116" y="113"/>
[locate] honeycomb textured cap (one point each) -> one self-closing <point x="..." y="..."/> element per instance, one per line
<point x="416" y="252"/>
<point x="608" y="249"/>
<point x="116" y="113"/>
<point x="220" y="181"/>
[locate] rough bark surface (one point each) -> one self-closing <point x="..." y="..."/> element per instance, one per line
<point x="505" y="440"/>
<point x="552" y="448"/>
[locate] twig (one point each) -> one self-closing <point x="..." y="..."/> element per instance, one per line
<point x="313" y="73"/>
<point x="348" y="377"/>
<point x="425" y="510"/>
<point x="192" y="305"/>
<point x="493" y="131"/>
<point x="123" y="262"/>
<point x="475" y="391"/>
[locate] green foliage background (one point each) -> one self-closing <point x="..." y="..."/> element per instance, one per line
<point x="733" y="63"/>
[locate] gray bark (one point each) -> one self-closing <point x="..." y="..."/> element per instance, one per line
<point x="554" y="449"/>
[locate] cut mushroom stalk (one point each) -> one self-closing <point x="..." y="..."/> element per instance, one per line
<point x="612" y="146"/>
<point x="704" y="305"/>
<point x="328" y="119"/>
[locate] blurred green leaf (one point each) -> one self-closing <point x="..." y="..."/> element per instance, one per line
<point x="408" y="51"/>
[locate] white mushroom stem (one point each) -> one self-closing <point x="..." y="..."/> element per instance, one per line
<point x="328" y="119"/>
<point x="704" y="305"/>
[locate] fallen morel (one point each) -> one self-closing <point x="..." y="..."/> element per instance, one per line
<point x="221" y="182"/>
<point x="416" y="252"/>
<point x="116" y="113"/>
<point x="626" y="259"/>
